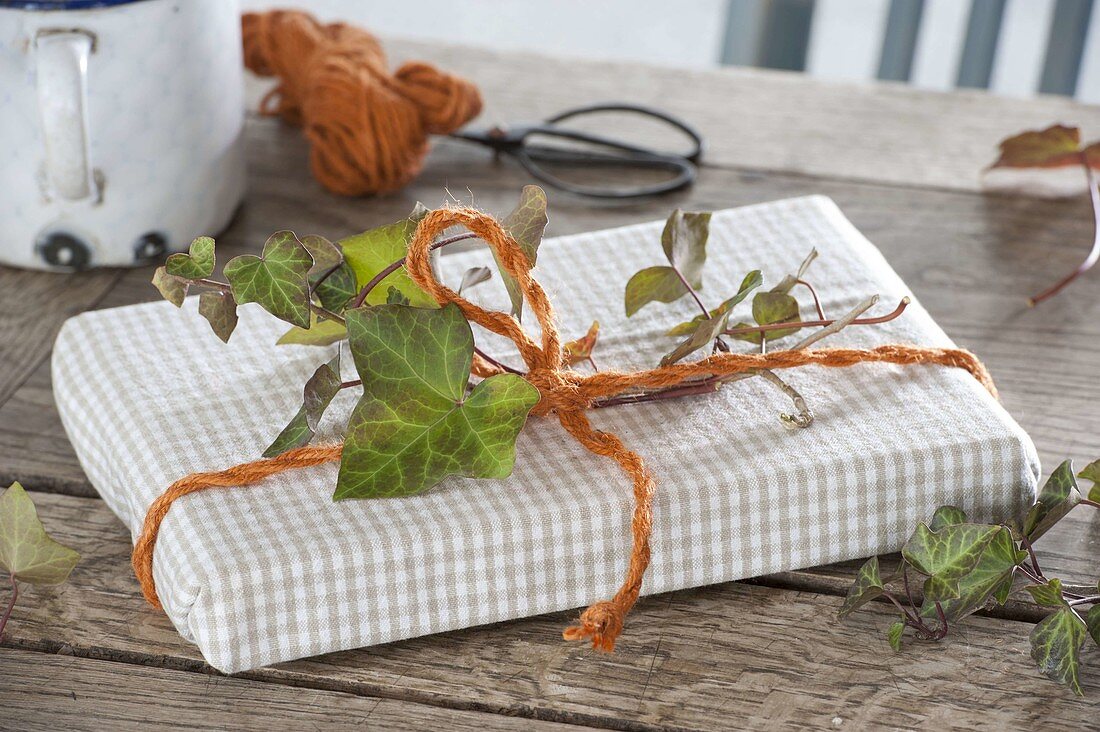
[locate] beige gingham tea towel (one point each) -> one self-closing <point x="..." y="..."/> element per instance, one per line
<point x="278" y="571"/>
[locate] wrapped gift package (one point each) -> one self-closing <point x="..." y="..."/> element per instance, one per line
<point x="278" y="570"/>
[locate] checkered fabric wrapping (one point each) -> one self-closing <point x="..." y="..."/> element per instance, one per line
<point x="277" y="571"/>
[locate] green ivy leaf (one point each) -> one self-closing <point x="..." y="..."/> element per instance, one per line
<point x="769" y="308"/>
<point x="751" y="281"/>
<point x="331" y="280"/>
<point x="710" y="328"/>
<point x="394" y="296"/>
<point x="684" y="241"/>
<point x="26" y="551"/>
<point x="947" y="555"/>
<point x="372" y="251"/>
<point x="173" y="289"/>
<point x="474" y="276"/>
<point x="319" y="333"/>
<point x="220" y="310"/>
<point x="1092" y="473"/>
<point x="197" y="264"/>
<point x="1057" y="498"/>
<point x="991" y="576"/>
<point x="867" y="586"/>
<point x="946" y="516"/>
<point x="1048" y="595"/>
<point x="276" y="280"/>
<point x="526" y="223"/>
<point x="415" y="424"/>
<point x="893" y="635"/>
<point x="652" y="284"/>
<point x="1056" y="646"/>
<point x="318" y="392"/>
<point x="1092" y="621"/>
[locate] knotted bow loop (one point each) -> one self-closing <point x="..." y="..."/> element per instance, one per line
<point x="543" y="361"/>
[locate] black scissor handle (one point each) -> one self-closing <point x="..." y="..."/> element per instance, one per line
<point x="529" y="157"/>
<point x="693" y="155"/>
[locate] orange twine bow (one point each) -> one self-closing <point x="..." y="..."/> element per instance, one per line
<point x="564" y="393"/>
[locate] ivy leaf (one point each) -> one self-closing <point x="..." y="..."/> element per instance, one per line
<point x="372" y="251"/>
<point x="751" y="281"/>
<point x="991" y="577"/>
<point x="788" y="282"/>
<point x="394" y="296"/>
<point x="26" y="551"/>
<point x="652" y="284"/>
<point x="526" y="223"/>
<point x="709" y="329"/>
<point x="946" y="516"/>
<point x="947" y="555"/>
<point x="173" y="289"/>
<point x="276" y="280"/>
<point x="197" y="264"/>
<point x="684" y="241"/>
<point x="1048" y="595"/>
<point x="331" y="280"/>
<point x="474" y="276"/>
<point x="867" y="586"/>
<point x="1092" y="473"/>
<point x="581" y="349"/>
<point x="220" y="310"/>
<point x="1092" y="621"/>
<point x="1057" y="498"/>
<point x="893" y="635"/>
<point x="1054" y="147"/>
<point x="1056" y="646"/>
<point x="319" y="333"/>
<point x="318" y="392"/>
<point x="415" y="423"/>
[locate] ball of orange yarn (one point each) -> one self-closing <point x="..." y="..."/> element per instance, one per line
<point x="368" y="128"/>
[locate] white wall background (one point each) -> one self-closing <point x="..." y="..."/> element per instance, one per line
<point x="686" y="34"/>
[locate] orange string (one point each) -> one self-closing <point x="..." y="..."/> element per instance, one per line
<point x="563" y="392"/>
<point x="368" y="128"/>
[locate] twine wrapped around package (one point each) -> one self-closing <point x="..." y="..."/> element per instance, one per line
<point x="563" y="392"/>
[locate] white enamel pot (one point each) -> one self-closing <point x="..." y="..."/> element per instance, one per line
<point x="120" y="129"/>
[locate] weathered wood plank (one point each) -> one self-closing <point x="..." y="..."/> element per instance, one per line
<point x="772" y="120"/>
<point x="53" y="692"/>
<point x="734" y="654"/>
<point x="34" y="306"/>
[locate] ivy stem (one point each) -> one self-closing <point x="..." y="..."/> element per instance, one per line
<point x="1085" y="600"/>
<point x="498" y="364"/>
<point x="1087" y="502"/>
<point x="350" y="384"/>
<point x="11" y="604"/>
<point x="691" y="290"/>
<point x="813" y="292"/>
<point x="1094" y="253"/>
<point x="391" y="268"/>
<point x="904" y="303"/>
<point x="1034" y="559"/>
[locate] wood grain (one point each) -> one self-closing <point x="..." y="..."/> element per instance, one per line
<point x="728" y="656"/>
<point x="773" y="120"/>
<point x="903" y="167"/>
<point x="55" y="692"/>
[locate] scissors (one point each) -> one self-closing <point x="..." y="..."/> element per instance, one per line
<point x="602" y="152"/>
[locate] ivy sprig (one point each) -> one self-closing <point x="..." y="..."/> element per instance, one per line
<point x="964" y="567"/>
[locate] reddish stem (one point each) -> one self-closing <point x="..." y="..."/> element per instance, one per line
<point x="11" y="604"/>
<point x="813" y="292"/>
<point x="691" y="291"/>
<point x="815" y="323"/>
<point x="1094" y="253"/>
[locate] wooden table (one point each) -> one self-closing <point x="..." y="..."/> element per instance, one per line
<point x="902" y="164"/>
